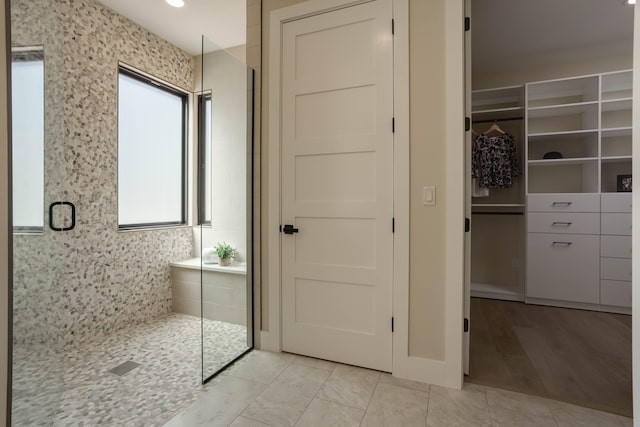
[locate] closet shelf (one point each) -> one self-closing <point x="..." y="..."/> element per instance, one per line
<point x="561" y="109"/>
<point x="616" y="159"/>
<point x="563" y="162"/>
<point x="498" y="110"/>
<point x="619" y="131"/>
<point x="616" y="105"/>
<point x="498" y="205"/>
<point x="565" y="132"/>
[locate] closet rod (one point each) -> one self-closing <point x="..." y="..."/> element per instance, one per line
<point x="507" y="119"/>
<point x="497" y="213"/>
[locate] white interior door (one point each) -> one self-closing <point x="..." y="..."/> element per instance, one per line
<point x="337" y="185"/>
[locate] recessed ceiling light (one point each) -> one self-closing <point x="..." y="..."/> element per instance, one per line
<point x="632" y="2"/>
<point x="175" y="3"/>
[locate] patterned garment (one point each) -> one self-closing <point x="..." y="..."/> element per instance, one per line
<point x="494" y="161"/>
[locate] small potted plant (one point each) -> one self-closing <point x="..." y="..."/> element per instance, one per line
<point x="225" y="253"/>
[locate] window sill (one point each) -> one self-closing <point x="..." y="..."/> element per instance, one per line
<point x="195" y="264"/>
<point x="153" y="228"/>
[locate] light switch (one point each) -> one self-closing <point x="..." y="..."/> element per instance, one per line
<point x="429" y="196"/>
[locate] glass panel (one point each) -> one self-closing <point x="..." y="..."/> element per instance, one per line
<point x="226" y="290"/>
<point x="39" y="178"/>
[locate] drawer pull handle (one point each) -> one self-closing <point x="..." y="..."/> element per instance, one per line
<point x="561" y="203"/>
<point x="562" y="244"/>
<point x="563" y="224"/>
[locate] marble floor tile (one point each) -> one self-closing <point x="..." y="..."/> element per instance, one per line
<point x="315" y="363"/>
<point x="392" y="405"/>
<point x="285" y="400"/>
<point x="219" y="405"/>
<point x="247" y="422"/>
<point x="350" y="386"/>
<point x="510" y="409"/>
<point x="414" y="385"/>
<point x="262" y="367"/>
<point x="322" y="413"/>
<point x="452" y="408"/>
<point x="575" y="416"/>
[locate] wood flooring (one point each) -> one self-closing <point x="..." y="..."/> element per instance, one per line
<point x="577" y="356"/>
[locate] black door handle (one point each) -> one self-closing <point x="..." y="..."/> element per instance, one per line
<point x="73" y="216"/>
<point x="289" y="229"/>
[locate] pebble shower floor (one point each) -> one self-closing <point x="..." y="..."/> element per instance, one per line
<point x="167" y="380"/>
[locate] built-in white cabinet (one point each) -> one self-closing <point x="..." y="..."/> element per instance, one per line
<point x="575" y="138"/>
<point x="563" y="248"/>
<point x="578" y="148"/>
<point x="588" y="121"/>
<point x="615" y="251"/>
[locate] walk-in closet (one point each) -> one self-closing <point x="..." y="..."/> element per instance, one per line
<point x="549" y="199"/>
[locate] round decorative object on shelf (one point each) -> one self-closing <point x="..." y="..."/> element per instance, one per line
<point x="552" y="155"/>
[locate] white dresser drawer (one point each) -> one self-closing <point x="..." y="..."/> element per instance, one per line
<point x="563" y="267"/>
<point x="616" y="202"/>
<point x="615" y="269"/>
<point x="615" y="246"/>
<point x="572" y="223"/>
<point x="615" y="292"/>
<point x="616" y="223"/>
<point x="563" y="203"/>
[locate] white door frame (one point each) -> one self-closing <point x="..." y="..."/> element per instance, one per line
<point x="272" y="339"/>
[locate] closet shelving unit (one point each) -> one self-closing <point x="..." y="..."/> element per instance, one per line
<point x="563" y="116"/>
<point x="572" y="202"/>
<point x="497" y="264"/>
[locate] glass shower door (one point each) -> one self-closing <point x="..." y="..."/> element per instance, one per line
<point x="225" y="147"/>
<point x="40" y="220"/>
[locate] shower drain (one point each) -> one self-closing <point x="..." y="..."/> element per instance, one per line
<point x="124" y="368"/>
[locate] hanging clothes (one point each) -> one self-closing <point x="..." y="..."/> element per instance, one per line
<point x="494" y="161"/>
<point x="477" y="190"/>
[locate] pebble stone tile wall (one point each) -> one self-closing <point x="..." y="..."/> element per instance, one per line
<point x="93" y="280"/>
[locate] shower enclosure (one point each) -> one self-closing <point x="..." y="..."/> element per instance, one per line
<point x="103" y="328"/>
<point x="225" y="147"/>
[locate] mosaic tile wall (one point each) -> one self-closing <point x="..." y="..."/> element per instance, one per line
<point x="93" y="280"/>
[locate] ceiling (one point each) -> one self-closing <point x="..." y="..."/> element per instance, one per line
<point x="517" y="34"/>
<point x="221" y="21"/>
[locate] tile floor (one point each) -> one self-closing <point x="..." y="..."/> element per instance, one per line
<point x="77" y="388"/>
<point x="269" y="389"/>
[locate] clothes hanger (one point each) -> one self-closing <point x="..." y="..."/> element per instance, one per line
<point x="474" y="133"/>
<point x="494" y="128"/>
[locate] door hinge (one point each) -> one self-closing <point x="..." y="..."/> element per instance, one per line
<point x="393" y="125"/>
<point x="467" y="225"/>
<point x="466" y="324"/>
<point x="392" y="325"/>
<point x="393" y="26"/>
<point x="467" y="124"/>
<point x="467" y="23"/>
<point x="393" y="225"/>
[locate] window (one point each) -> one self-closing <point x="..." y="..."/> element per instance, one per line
<point x="27" y="143"/>
<point x="204" y="159"/>
<point x="152" y="145"/>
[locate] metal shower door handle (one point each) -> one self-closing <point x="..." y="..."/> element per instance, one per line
<point x="73" y="216"/>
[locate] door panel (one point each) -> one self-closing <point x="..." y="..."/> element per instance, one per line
<point x="337" y="185"/>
